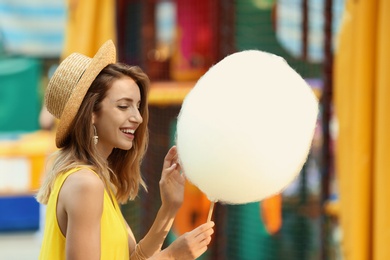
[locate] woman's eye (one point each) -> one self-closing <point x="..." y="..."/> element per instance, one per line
<point x="123" y="107"/>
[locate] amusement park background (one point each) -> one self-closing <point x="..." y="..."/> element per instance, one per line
<point x="336" y="208"/>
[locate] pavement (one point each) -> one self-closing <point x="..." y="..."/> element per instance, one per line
<point x="20" y="245"/>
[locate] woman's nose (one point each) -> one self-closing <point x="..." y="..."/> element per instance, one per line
<point x="136" y="117"/>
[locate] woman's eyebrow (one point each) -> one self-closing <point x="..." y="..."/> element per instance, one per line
<point x="127" y="99"/>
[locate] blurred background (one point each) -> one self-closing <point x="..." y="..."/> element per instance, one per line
<point x="336" y="209"/>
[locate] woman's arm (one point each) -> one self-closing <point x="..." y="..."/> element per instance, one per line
<point x="188" y="246"/>
<point x="80" y="208"/>
<point x="172" y="194"/>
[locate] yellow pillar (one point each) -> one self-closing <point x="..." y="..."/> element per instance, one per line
<point x="381" y="237"/>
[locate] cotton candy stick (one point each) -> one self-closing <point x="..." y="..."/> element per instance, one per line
<point x="210" y="211"/>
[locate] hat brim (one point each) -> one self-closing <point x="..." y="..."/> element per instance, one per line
<point x="105" y="55"/>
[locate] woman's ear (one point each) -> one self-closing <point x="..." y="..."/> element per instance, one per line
<point x="93" y="118"/>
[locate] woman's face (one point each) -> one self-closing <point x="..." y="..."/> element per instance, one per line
<point x="118" y="117"/>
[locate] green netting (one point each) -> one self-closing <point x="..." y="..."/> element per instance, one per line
<point x="247" y="236"/>
<point x="254" y="29"/>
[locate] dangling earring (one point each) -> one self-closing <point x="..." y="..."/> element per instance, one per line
<point x="95" y="136"/>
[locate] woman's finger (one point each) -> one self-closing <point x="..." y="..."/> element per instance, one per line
<point x="170" y="157"/>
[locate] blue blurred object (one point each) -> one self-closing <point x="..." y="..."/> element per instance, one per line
<point x="11" y="136"/>
<point x="33" y="28"/>
<point x="19" y="213"/>
<point x="289" y="24"/>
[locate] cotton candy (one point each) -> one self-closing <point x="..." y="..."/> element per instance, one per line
<point x="245" y="130"/>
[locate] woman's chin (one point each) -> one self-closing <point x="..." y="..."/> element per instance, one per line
<point x="126" y="146"/>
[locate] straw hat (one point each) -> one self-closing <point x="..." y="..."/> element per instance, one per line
<point x="69" y="84"/>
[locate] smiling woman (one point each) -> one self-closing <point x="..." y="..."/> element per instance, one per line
<point x="102" y="136"/>
<point x="118" y="116"/>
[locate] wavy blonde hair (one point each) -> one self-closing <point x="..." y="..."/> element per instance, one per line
<point x="121" y="171"/>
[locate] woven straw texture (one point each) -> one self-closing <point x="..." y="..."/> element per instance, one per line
<point x="70" y="83"/>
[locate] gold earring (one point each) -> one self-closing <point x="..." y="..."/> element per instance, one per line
<point x="95" y="136"/>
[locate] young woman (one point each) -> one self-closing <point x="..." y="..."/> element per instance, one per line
<point x="102" y="137"/>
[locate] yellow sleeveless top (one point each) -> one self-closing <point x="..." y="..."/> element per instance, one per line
<point x="114" y="237"/>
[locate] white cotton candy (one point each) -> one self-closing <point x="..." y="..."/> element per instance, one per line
<point x="245" y="130"/>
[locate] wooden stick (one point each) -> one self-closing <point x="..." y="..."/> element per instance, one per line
<point x="210" y="211"/>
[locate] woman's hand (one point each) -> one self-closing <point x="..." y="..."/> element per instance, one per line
<point x="172" y="182"/>
<point x="192" y="244"/>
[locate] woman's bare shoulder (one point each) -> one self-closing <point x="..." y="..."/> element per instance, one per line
<point x="82" y="187"/>
<point x="85" y="179"/>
